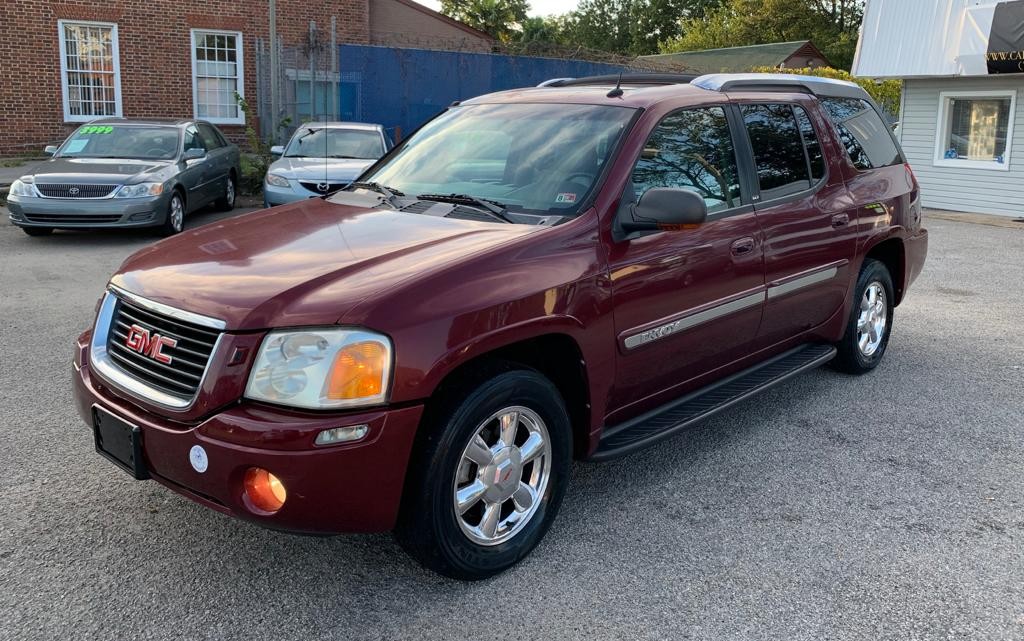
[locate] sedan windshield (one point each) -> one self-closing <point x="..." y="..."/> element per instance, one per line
<point x="320" y="142"/>
<point x="530" y="158"/>
<point x="122" y="141"/>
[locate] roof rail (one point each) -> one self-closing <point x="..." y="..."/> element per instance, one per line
<point x="627" y="79"/>
<point x="779" y="82"/>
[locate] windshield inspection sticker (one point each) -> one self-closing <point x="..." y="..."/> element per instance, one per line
<point x="565" y="198"/>
<point x="76" y="146"/>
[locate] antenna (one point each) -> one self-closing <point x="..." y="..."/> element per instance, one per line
<point x="617" y="91"/>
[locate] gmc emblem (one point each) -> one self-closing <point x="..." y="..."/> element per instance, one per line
<point x="151" y="345"/>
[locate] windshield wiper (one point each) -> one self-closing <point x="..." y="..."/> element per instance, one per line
<point x="390" y="195"/>
<point x="492" y="207"/>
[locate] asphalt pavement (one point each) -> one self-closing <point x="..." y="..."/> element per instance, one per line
<point x="889" y="506"/>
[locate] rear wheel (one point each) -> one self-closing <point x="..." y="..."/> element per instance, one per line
<point x="174" y="221"/>
<point x="489" y="478"/>
<point x="870" y="322"/>
<point x="37" y="231"/>
<point x="227" y="201"/>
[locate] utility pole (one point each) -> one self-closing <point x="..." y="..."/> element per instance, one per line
<point x="275" y="106"/>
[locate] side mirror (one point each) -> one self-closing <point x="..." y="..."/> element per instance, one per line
<point x="664" y="208"/>
<point x="193" y="154"/>
<point x="49" y="150"/>
<point x="277" y="150"/>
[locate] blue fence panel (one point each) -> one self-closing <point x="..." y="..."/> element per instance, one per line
<point x="406" y="87"/>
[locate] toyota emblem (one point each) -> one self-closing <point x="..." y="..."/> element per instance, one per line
<point x="323" y="187"/>
<point x="73" y="191"/>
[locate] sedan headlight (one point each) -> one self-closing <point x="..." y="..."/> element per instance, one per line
<point x="140" y="191"/>
<point x="23" y="187"/>
<point x="277" y="180"/>
<point x="322" y="368"/>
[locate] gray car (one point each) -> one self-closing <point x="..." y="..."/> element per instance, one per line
<point x="322" y="157"/>
<point x="116" y="172"/>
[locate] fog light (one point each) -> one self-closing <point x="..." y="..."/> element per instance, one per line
<point x="337" y="435"/>
<point x="264" y="490"/>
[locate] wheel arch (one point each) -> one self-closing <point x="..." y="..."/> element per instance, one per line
<point x="891" y="252"/>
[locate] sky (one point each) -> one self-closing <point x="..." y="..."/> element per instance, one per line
<point x="537" y="7"/>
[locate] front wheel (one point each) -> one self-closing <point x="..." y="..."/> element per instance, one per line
<point x="490" y="477"/>
<point x="870" y="322"/>
<point x="174" y="221"/>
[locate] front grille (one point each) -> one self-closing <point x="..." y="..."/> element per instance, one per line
<point x="315" y="187"/>
<point x="69" y="190"/>
<point x="72" y="218"/>
<point x="189" y="356"/>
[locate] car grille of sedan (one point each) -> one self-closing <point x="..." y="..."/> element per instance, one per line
<point x="315" y="187"/>
<point x="68" y="190"/>
<point x="133" y="333"/>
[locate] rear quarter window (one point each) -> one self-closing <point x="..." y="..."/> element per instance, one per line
<point x="862" y="132"/>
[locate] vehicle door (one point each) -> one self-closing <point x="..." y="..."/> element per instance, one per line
<point x="218" y="158"/>
<point x="804" y="209"/>
<point x="686" y="301"/>
<point x="194" y="173"/>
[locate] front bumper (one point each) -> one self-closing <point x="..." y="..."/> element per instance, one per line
<point x="355" y="487"/>
<point x="87" y="213"/>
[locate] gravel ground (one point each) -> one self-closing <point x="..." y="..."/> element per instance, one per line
<point x="889" y="506"/>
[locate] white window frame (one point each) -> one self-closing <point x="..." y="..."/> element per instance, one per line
<point x="942" y="129"/>
<point x="115" y="51"/>
<point x="239" y="60"/>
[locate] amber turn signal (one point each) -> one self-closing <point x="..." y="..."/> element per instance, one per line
<point x="264" y="490"/>
<point x="358" y="371"/>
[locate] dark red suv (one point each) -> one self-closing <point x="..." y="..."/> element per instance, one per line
<point x="576" y="270"/>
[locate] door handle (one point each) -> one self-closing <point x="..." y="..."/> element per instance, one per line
<point x="840" y="220"/>
<point x="742" y="246"/>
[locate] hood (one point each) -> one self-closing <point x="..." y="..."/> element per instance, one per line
<point x="301" y="264"/>
<point x="94" y="170"/>
<point x="331" y="169"/>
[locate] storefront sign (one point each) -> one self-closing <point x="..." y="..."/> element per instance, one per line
<point x="1006" y="40"/>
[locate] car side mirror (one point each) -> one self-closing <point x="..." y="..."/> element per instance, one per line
<point x="666" y="208"/>
<point x="194" y="153"/>
<point x="50" y="150"/>
<point x="277" y="150"/>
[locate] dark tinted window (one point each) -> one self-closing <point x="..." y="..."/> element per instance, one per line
<point x="862" y="132"/>
<point x="778" y="150"/>
<point x="691" y="150"/>
<point x="814" y="156"/>
<point x="210" y="138"/>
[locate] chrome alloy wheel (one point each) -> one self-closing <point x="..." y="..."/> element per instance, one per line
<point x="229" y="196"/>
<point x="177" y="212"/>
<point x="502" y="475"/>
<point x="871" y="323"/>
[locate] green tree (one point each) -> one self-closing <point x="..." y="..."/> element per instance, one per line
<point x="831" y="24"/>
<point x="630" y="27"/>
<point x="502" y="19"/>
<point x="886" y="93"/>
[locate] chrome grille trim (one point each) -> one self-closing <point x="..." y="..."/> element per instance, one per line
<point x="167" y="310"/>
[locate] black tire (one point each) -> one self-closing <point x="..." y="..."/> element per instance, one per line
<point x="851" y="357"/>
<point x="428" y="528"/>
<point x="173" y="224"/>
<point x="37" y="231"/>
<point x="227" y="201"/>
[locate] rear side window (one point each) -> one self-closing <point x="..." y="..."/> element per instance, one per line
<point x="862" y="132"/>
<point x="778" y="150"/>
<point x="692" y="150"/>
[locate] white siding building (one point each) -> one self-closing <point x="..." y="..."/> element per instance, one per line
<point x="962" y="114"/>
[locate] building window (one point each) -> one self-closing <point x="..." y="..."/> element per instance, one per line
<point x="975" y="129"/>
<point x="217" y="75"/>
<point x="89" y="70"/>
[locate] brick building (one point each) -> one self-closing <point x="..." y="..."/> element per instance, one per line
<point x="71" y="61"/>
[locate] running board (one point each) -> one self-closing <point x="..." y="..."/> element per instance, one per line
<point x="675" y="416"/>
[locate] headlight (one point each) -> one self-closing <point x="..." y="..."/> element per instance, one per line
<point x="23" y="187"/>
<point x="140" y="191"/>
<point x="322" y="368"/>
<point x="277" y="180"/>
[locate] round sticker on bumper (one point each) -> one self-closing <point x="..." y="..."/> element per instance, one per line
<point x="197" y="457"/>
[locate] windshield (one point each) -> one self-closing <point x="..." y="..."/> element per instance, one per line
<point x="530" y="158"/>
<point x="122" y="141"/>
<point x="319" y="142"/>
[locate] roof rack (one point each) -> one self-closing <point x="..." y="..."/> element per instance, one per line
<point x="779" y="82"/>
<point x="627" y="79"/>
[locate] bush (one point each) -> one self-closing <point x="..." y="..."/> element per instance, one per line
<point x="255" y="163"/>
<point x="886" y="93"/>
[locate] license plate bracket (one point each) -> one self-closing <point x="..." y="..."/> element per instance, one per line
<point x="119" y="442"/>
